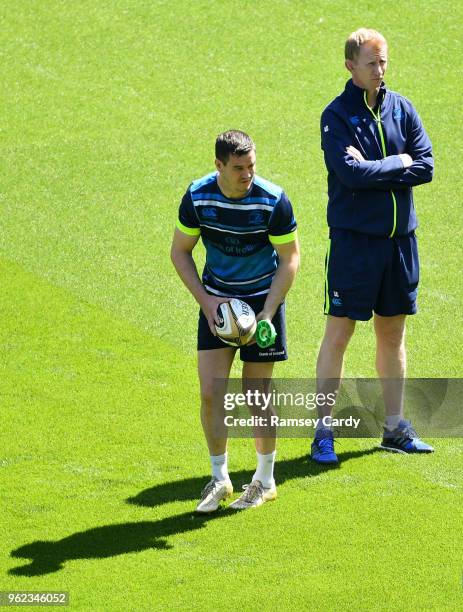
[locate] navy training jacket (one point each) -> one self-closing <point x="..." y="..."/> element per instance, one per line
<point x="374" y="196"/>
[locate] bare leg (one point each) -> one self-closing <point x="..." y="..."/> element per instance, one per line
<point x="338" y="332"/>
<point x="212" y="365"/>
<point x="260" y="372"/>
<point x="391" y="361"/>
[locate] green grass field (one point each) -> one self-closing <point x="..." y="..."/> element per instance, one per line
<point x="109" y="110"/>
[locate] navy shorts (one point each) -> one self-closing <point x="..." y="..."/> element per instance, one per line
<point x="370" y="273"/>
<point x="278" y="352"/>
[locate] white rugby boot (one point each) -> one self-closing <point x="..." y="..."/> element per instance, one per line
<point x="213" y="493"/>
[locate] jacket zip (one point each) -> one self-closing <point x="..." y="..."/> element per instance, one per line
<point x="377" y="119"/>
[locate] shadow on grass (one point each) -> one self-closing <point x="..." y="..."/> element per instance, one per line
<point x="106" y="541"/>
<point x="111" y="540"/>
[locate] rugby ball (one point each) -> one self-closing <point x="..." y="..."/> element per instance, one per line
<point x="237" y="322"/>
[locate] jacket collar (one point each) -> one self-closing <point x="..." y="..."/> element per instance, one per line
<point x="356" y="94"/>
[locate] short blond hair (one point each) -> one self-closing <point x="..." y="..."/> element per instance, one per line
<point x="357" y="39"/>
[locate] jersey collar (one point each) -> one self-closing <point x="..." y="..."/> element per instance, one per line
<point x="356" y="94"/>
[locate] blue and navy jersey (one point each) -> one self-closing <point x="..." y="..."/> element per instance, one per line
<point x="374" y="196"/>
<point x="238" y="234"/>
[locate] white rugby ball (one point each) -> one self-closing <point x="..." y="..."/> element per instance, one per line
<point x="237" y="322"/>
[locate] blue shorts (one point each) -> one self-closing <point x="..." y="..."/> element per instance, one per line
<point x="370" y="273"/>
<point x="278" y="352"/>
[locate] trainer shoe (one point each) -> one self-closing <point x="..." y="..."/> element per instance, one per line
<point x="212" y="494"/>
<point x="322" y="450"/>
<point x="404" y="439"/>
<point x="254" y="495"/>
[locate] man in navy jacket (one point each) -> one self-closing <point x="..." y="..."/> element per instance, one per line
<point x="376" y="150"/>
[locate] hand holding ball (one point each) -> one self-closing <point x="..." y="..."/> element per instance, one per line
<point x="237" y="322"/>
<point x="238" y="325"/>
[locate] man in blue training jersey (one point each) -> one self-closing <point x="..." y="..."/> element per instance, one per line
<point x="249" y="232"/>
<point x="376" y="150"/>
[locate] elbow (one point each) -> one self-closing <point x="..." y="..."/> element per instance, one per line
<point x="294" y="264"/>
<point x="428" y="173"/>
<point x="428" y="167"/>
<point x="174" y="256"/>
<point x="431" y="172"/>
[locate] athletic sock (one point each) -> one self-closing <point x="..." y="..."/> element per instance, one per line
<point x="264" y="471"/>
<point x="321" y="425"/>
<point x="219" y="464"/>
<point x="392" y="421"/>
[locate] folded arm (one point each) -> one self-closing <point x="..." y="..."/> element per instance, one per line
<point x="413" y="167"/>
<point x="352" y="172"/>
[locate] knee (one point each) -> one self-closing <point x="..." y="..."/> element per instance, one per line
<point x="337" y="340"/>
<point x="207" y="398"/>
<point x="392" y="338"/>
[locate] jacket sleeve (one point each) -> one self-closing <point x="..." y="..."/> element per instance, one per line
<point x="336" y="138"/>
<point x="420" y="150"/>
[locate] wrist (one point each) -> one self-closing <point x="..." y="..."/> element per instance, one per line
<point x="266" y="314"/>
<point x="201" y="296"/>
